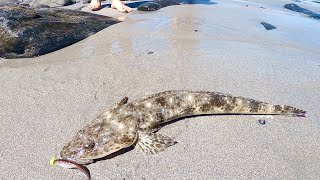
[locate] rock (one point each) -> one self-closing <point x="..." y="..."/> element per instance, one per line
<point x="66" y="2"/>
<point x="262" y="121"/>
<point x="28" y="32"/>
<point x="315" y="16"/>
<point x="268" y="26"/>
<point x="165" y="3"/>
<point x="157" y="4"/>
<point x="52" y="3"/>
<point x="149" y="6"/>
<point x="49" y="3"/>
<point x="89" y="1"/>
<point x="296" y="8"/>
<point x="9" y="2"/>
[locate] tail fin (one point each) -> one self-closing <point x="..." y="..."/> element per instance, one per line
<point x="289" y="110"/>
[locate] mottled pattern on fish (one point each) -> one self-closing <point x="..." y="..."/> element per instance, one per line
<point x="134" y="123"/>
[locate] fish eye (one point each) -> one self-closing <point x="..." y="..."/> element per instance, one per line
<point x="89" y="145"/>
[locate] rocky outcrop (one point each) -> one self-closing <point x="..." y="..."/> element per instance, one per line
<point x="296" y="8"/>
<point x="48" y="3"/>
<point x="268" y="26"/>
<point x="8" y="2"/>
<point x="157" y="4"/>
<point x="27" y="32"/>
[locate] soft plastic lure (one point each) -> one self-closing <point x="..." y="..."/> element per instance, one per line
<point x="70" y="165"/>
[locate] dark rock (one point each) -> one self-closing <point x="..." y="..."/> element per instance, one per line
<point x="9" y="2"/>
<point x="268" y="26"/>
<point x="315" y="16"/>
<point x="89" y="1"/>
<point x="204" y="2"/>
<point x="25" y="2"/>
<point x="50" y="3"/>
<point x="149" y="6"/>
<point x="262" y="122"/>
<point x="165" y="3"/>
<point x="157" y="4"/>
<point x="66" y="2"/>
<point x="28" y="32"/>
<point x="296" y="8"/>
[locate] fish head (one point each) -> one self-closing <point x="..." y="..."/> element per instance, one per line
<point x="100" y="138"/>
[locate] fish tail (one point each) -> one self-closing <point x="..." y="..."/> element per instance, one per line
<point x="171" y="105"/>
<point x="258" y="107"/>
<point x="218" y="103"/>
<point x="289" y="111"/>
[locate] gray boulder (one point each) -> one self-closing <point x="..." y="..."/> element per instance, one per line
<point x="8" y="2"/>
<point x="268" y="26"/>
<point x="28" y="32"/>
<point x="149" y="6"/>
<point x="48" y="3"/>
<point x="156" y="4"/>
<point x="296" y="8"/>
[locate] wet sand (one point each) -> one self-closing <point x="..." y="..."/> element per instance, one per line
<point x="221" y="47"/>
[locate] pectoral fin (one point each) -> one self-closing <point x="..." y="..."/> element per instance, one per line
<point x="152" y="143"/>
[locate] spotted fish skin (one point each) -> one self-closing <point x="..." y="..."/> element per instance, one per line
<point x="135" y="123"/>
<point x="163" y="107"/>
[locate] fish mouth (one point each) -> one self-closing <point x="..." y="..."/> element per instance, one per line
<point x="80" y="161"/>
<point x="76" y="160"/>
<point x="84" y="161"/>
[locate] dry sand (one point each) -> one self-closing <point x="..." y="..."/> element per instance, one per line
<point x="46" y="100"/>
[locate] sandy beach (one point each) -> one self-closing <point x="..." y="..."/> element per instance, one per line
<point x="220" y="47"/>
